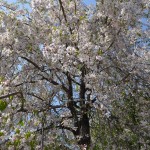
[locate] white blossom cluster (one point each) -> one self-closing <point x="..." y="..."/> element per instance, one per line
<point x="57" y="43"/>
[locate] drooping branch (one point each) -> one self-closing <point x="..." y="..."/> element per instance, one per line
<point x="8" y="95"/>
<point x="63" y="10"/>
<point x="64" y="14"/>
<point x="19" y="84"/>
<point x="30" y="61"/>
<point x="38" y="97"/>
<point x="43" y="77"/>
<point x="75" y="81"/>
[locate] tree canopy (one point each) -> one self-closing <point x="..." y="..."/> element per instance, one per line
<point x="74" y="76"/>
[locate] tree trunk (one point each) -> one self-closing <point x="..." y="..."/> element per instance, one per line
<point x="83" y="132"/>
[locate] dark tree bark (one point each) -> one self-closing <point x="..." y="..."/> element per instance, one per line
<point x="83" y="131"/>
<point x="83" y="134"/>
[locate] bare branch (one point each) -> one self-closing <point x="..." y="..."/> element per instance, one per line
<point x="61" y="5"/>
<point x="64" y="14"/>
<point x="8" y="95"/>
<point x="30" y="61"/>
<point x="32" y="94"/>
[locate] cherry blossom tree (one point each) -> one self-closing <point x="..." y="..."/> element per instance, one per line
<point x="69" y="72"/>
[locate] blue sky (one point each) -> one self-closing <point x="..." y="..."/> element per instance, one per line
<point x="90" y="1"/>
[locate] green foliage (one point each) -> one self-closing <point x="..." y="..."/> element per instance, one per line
<point x="1" y="79"/>
<point x="21" y="123"/>
<point x="27" y="135"/>
<point x="100" y="52"/>
<point x="123" y="129"/>
<point x="17" y="131"/>
<point x="77" y="52"/>
<point x="3" y="105"/>
<point x="11" y="97"/>
<point x="17" y="142"/>
<point x="77" y="88"/>
<point x="82" y="18"/>
<point x="1" y="134"/>
<point x="32" y="144"/>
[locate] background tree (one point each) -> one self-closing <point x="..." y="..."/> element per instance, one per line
<point x="73" y="76"/>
